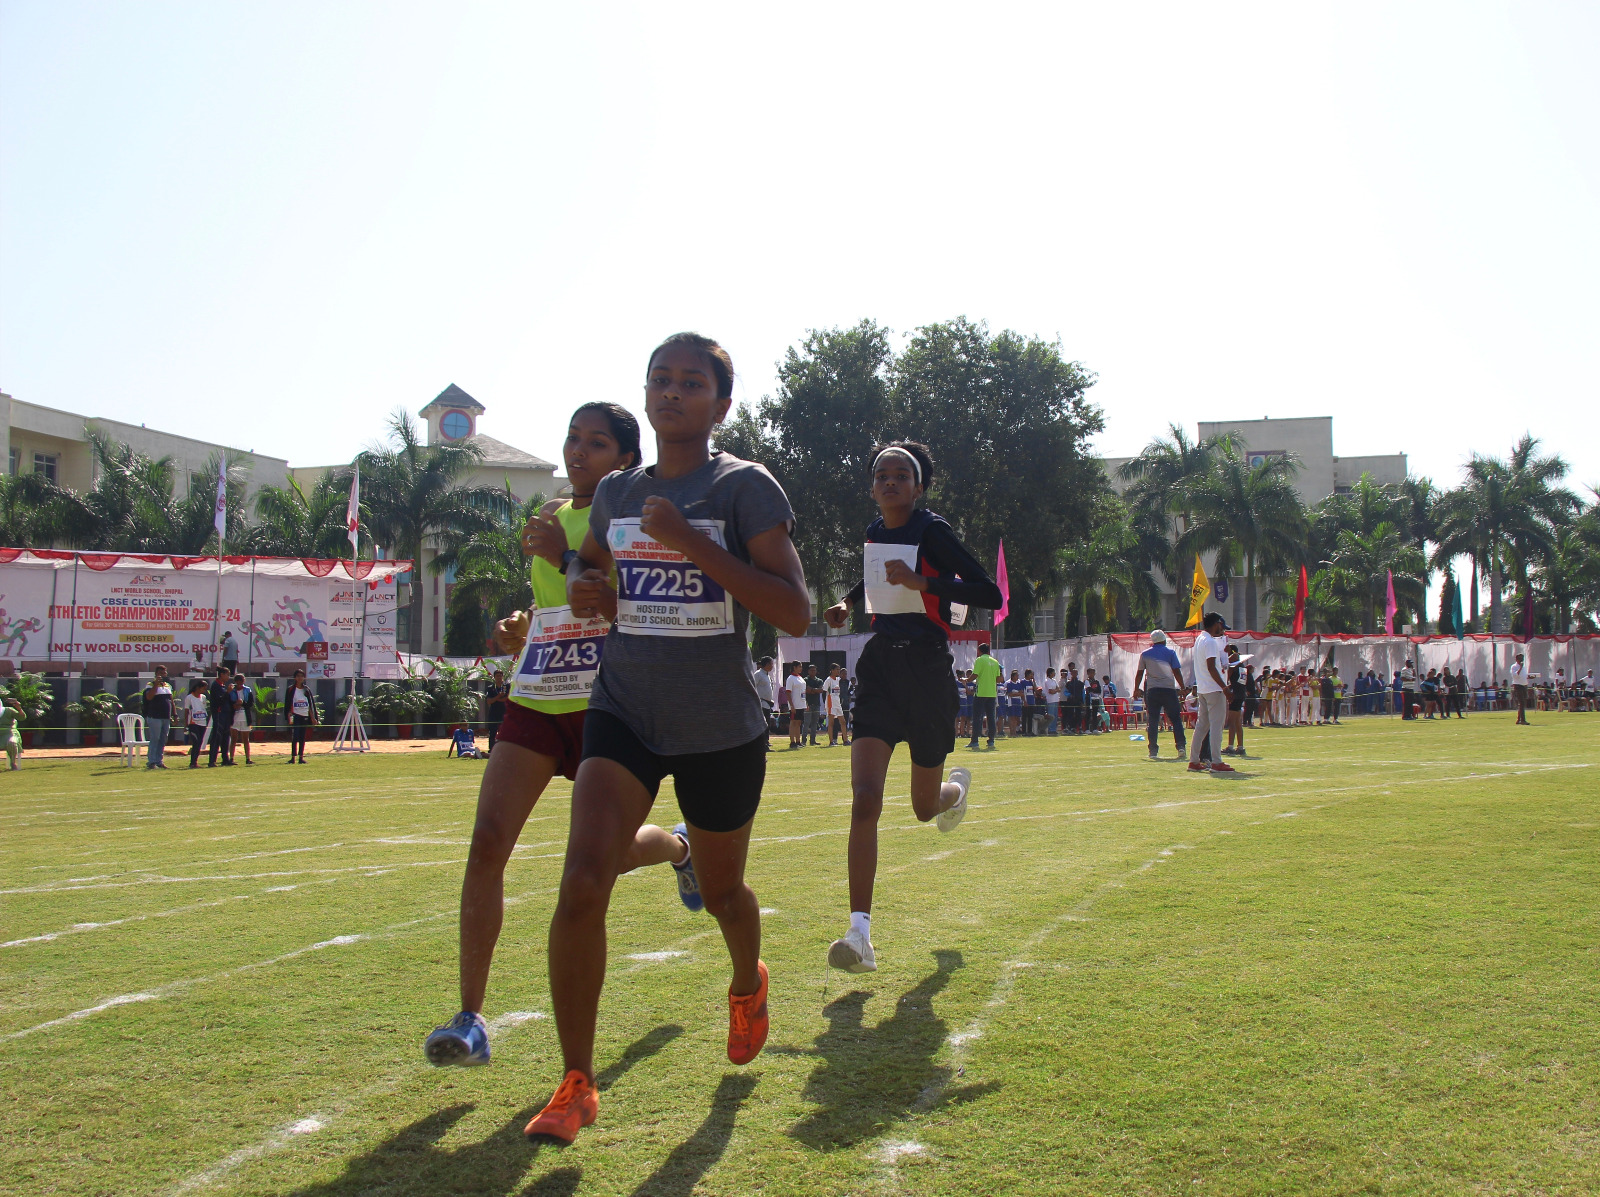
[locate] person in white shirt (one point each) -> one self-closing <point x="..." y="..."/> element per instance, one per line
<point x="833" y="701"/>
<point x="1052" y="700"/>
<point x="764" y="693"/>
<point x="795" y="686"/>
<point x="1211" y="689"/>
<point x="1519" y="689"/>
<point x="196" y="715"/>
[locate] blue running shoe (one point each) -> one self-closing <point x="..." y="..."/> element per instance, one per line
<point x="462" y="1040"/>
<point x="688" y="883"/>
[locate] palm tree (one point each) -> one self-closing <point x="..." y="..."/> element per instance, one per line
<point x="1250" y="515"/>
<point x="36" y="512"/>
<point x="414" y="495"/>
<point x="292" y="523"/>
<point x="1162" y="473"/>
<point x="1517" y="505"/>
<point x="491" y="571"/>
<point x="1460" y="532"/>
<point x="133" y="506"/>
<point x="1114" y="561"/>
<point x="1363" y="562"/>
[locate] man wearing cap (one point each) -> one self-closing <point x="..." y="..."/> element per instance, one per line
<point x="1408" y="692"/>
<point x="1211" y="686"/>
<point x="1160" y="665"/>
<point x="1519" y="690"/>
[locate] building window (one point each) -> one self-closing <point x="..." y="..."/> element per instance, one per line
<point x="45" y="464"/>
<point x="402" y="628"/>
<point x="1044" y="625"/>
<point x="455" y="425"/>
<point x="436" y="624"/>
<point x="15" y="453"/>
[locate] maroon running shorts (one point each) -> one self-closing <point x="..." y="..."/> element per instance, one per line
<point x="559" y="737"/>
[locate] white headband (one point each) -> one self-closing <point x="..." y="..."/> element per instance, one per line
<point x="916" y="466"/>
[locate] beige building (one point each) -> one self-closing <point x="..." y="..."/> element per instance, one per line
<point x="43" y="440"/>
<point x="1322" y="473"/>
<point x="452" y="418"/>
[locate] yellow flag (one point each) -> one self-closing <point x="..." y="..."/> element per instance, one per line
<point x="1198" y="593"/>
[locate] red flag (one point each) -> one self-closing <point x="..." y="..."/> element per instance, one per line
<point x="1005" y="587"/>
<point x="1300" y="593"/>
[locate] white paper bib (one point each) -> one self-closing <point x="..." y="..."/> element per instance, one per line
<point x="562" y="655"/>
<point x="660" y="592"/>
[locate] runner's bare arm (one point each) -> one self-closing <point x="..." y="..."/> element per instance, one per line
<point x="543" y="536"/>
<point x="589" y="589"/>
<point x="772" y="585"/>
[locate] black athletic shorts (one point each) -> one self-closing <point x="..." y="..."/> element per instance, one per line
<point x="717" y="791"/>
<point x="906" y="690"/>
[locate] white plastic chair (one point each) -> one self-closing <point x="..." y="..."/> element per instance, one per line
<point x="133" y="738"/>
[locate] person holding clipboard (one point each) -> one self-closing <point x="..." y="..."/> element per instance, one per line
<point x="917" y="581"/>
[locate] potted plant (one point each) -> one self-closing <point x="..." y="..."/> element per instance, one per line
<point x="95" y="710"/>
<point x="33" y="695"/>
<point x="268" y="708"/>
<point x="452" y="699"/>
<point x="397" y="705"/>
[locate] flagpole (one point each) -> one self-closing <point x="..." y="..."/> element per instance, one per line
<point x="219" y="520"/>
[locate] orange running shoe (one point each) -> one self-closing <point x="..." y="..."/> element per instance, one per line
<point x="747" y="1022"/>
<point x="574" y="1106"/>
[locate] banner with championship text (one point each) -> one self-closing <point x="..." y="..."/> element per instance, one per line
<point x="60" y="610"/>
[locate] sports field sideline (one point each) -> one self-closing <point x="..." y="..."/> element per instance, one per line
<point x="1371" y="963"/>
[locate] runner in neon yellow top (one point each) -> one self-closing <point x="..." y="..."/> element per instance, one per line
<point x="542" y="735"/>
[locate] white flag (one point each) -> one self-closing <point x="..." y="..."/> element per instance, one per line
<point x="352" y="513"/>
<point x="220" y="523"/>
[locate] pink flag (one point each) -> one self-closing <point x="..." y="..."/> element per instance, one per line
<point x="1389" y="607"/>
<point x="1005" y="587"/>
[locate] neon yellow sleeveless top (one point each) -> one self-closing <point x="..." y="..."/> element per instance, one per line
<point x="550" y="590"/>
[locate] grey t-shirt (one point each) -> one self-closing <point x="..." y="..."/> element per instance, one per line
<point x="676" y="667"/>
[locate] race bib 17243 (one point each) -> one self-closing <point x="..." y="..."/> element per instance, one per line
<point x="660" y="592"/>
<point x="562" y="655"/>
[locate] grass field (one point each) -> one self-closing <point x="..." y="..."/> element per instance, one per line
<point x="1372" y="964"/>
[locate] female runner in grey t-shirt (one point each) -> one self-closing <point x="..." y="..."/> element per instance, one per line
<point x="699" y="540"/>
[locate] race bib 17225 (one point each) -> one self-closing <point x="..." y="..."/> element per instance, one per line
<point x="562" y="655"/>
<point x="660" y="592"/>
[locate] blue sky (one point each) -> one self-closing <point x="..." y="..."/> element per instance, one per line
<point x="269" y="225"/>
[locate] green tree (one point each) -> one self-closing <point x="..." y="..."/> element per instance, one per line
<point x="1518" y="504"/>
<point x="1362" y="563"/>
<point x="492" y="578"/>
<point x="1160" y="481"/>
<point x="415" y="496"/>
<point x="35" y="512"/>
<point x="292" y="523"/>
<point x="816" y="435"/>
<point x="1107" y="573"/>
<point x="1008" y="418"/>
<point x="1249" y="515"/>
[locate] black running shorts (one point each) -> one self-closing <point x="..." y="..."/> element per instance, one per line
<point x="906" y="690"/>
<point x="717" y="791"/>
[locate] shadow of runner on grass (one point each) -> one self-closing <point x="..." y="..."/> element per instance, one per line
<point x="872" y="1076"/>
<point x="681" y="1171"/>
<point x="411" y="1162"/>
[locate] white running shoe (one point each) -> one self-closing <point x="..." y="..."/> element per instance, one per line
<point x="950" y="818"/>
<point x="853" y="954"/>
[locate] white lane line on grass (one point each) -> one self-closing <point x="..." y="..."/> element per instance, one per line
<point x="57" y="887"/>
<point x="179" y="986"/>
<point x="80" y="928"/>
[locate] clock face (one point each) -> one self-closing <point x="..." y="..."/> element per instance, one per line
<point x="455" y="425"/>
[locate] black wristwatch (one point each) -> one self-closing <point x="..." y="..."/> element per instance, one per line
<point x="568" y="558"/>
